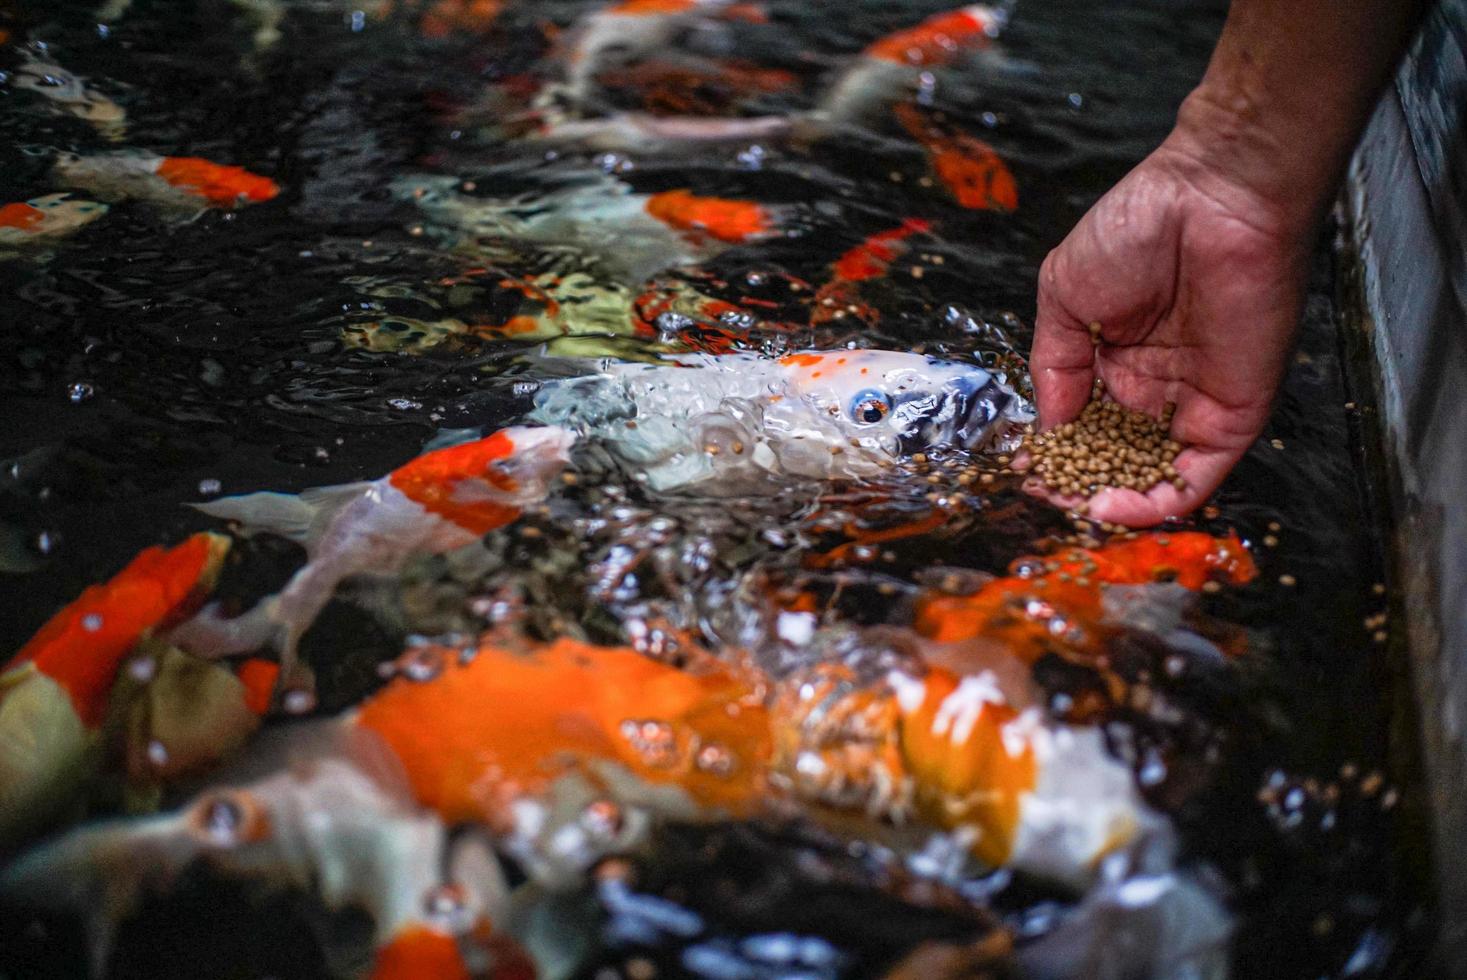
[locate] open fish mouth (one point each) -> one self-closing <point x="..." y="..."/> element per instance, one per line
<point x="963" y="414"/>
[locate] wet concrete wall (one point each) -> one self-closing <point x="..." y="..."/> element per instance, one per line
<point x="1407" y="203"/>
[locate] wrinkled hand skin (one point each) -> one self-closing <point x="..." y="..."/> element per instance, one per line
<point x="1197" y="284"/>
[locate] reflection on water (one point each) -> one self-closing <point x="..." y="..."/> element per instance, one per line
<point x="276" y="245"/>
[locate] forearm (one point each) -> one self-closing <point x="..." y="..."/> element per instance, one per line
<point x="1289" y="88"/>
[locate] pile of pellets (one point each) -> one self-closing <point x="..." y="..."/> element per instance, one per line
<point x="1107" y="446"/>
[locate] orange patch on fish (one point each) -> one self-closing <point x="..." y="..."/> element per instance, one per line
<point x="970" y="169"/>
<point x="447" y="17"/>
<point x="873" y="257"/>
<point x="802" y="360"/>
<point x="1018" y="611"/>
<point x="21" y="215"/>
<point x="434" y="481"/>
<point x="217" y="183"/>
<point x="937" y="40"/>
<point x="723" y="218"/>
<point x="258" y="677"/>
<point x="965" y="771"/>
<point x="81" y="647"/>
<point x="646" y="8"/>
<point x="485" y="733"/>
<point x="420" y="952"/>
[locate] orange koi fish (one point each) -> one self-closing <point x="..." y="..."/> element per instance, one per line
<point x="184" y="183"/>
<point x="725" y="219"/>
<point x="871" y="259"/>
<point x="1056" y="604"/>
<point x="54" y="691"/>
<point x="45" y="219"/>
<point x="442" y="500"/>
<point x="973" y="173"/>
<point x="891" y="64"/>
<point x="567" y="752"/>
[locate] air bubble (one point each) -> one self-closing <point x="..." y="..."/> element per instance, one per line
<point x="80" y="391"/>
<point x="92" y="622"/>
<point x="209" y="487"/>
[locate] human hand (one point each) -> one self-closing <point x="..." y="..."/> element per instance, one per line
<point x="1197" y="283"/>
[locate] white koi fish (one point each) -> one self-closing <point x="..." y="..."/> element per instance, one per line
<point x="442" y="500"/>
<point x="847" y="413"/>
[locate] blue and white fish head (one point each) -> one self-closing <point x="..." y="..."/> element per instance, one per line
<point x="876" y="405"/>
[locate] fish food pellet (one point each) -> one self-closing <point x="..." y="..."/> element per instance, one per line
<point x="1107" y="446"/>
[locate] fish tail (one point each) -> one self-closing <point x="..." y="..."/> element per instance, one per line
<point x="300" y="517"/>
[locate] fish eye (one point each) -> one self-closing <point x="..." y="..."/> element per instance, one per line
<point x="870" y="406"/>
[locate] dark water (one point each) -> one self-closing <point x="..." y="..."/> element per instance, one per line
<point x="150" y="354"/>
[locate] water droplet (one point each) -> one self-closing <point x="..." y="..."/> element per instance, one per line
<point x="603" y="820"/>
<point x="209" y="486"/>
<point x="92" y="622"/>
<point x="357" y="20"/>
<point x="404" y="404"/>
<point x="1075" y="99"/>
<point x="448" y="906"/>
<point x="421" y="664"/>
<point x="142" y="669"/>
<point x="298" y="701"/>
<point x="157" y="754"/>
<point x="80" y="391"/>
<point x="714" y="759"/>
<point x="47" y="542"/>
<point x="655" y="741"/>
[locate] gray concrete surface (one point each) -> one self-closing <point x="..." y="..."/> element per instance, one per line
<point x="1407" y="206"/>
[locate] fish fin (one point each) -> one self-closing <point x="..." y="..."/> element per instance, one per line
<point x="299" y="517"/>
<point x="210" y="635"/>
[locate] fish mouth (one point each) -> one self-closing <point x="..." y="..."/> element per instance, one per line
<point x="961" y="415"/>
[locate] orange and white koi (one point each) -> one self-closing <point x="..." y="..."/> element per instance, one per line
<point x="54" y="691"/>
<point x="627" y="29"/>
<point x="567" y="752"/>
<point x="718" y="421"/>
<point x="625" y="236"/>
<point x="45" y="219"/>
<point x="442" y="500"/>
<point x="890" y="66"/>
<point x="871" y="259"/>
<point x="70" y="94"/>
<point x="182" y="183"/>
<point x="973" y="173"/>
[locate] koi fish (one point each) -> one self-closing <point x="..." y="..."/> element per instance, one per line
<point x="442" y="500"/>
<point x="695" y="88"/>
<point x="628" y="236"/>
<point x="70" y="94"/>
<point x="45" y="219"/>
<point x="626" y="29"/>
<point x="185" y="183"/>
<point x="54" y="691"/>
<point x="973" y="173"/>
<point x="716" y="421"/>
<point x="892" y="64"/>
<point x="1059" y="604"/>
<point x="871" y="259"/>
<point x="568" y="752"/>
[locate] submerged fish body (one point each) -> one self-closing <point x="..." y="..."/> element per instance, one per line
<point x="623" y="30"/>
<point x="70" y="94"/>
<point x="54" y="691"/>
<point x="182" y="183"/>
<point x="600" y="222"/>
<point x="890" y="66"/>
<point x="711" y="420"/>
<point x="567" y="753"/>
<point x="442" y="500"/>
<point x="45" y="219"/>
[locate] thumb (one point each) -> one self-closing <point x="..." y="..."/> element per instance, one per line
<point x="1062" y="360"/>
